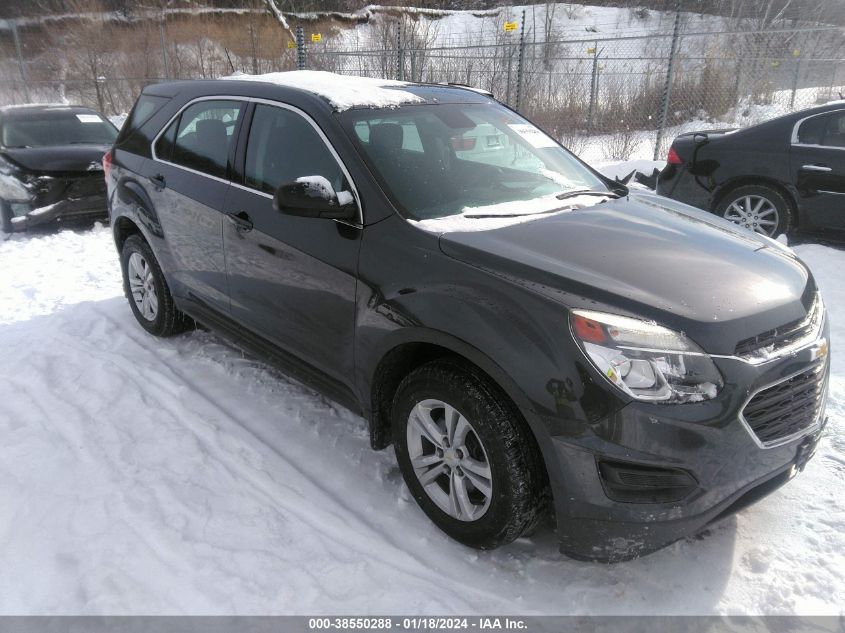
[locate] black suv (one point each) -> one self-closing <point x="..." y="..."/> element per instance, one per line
<point x="529" y="335"/>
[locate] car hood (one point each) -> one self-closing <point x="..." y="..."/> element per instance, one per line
<point x="651" y="257"/>
<point x="59" y="159"/>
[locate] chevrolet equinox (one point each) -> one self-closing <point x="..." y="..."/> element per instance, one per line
<point x="532" y="337"/>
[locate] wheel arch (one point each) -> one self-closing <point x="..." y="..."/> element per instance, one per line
<point x="122" y="228"/>
<point x="407" y="350"/>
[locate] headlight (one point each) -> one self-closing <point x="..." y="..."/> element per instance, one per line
<point x="11" y="186"/>
<point x="645" y="360"/>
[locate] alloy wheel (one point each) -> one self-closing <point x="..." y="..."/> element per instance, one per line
<point x="142" y="286"/>
<point x="754" y="212"/>
<point x="449" y="460"/>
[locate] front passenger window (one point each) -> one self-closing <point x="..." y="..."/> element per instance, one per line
<point x="282" y="147"/>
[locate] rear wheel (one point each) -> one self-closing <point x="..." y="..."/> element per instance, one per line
<point x="759" y="208"/>
<point x="466" y="456"/>
<point x="146" y="289"/>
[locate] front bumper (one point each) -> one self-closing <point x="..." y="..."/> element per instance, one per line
<point x="15" y="217"/>
<point x="708" y="444"/>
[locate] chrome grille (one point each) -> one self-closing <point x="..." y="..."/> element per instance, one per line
<point x="780" y="337"/>
<point x="787" y="408"/>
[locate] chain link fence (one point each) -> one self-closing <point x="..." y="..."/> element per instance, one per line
<point x="621" y="97"/>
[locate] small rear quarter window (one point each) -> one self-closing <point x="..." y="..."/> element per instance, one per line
<point x="131" y="137"/>
<point x="811" y="131"/>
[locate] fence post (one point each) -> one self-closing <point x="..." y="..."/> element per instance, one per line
<point x="400" y="53"/>
<point x="300" y="48"/>
<point x="738" y="82"/>
<point x="163" y="46"/>
<point x="21" y="66"/>
<point x="594" y="88"/>
<point x="520" y="63"/>
<point x="667" y="88"/>
<point x="795" y="81"/>
<point x="510" y="61"/>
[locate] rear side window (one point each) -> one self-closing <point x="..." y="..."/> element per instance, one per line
<point x="834" y="134"/>
<point x="282" y="147"/>
<point x="201" y="138"/>
<point x="827" y="130"/>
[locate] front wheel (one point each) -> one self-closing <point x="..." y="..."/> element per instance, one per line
<point x="466" y="455"/>
<point x="759" y="208"/>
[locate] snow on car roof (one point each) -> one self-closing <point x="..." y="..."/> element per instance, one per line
<point x="24" y="106"/>
<point x="343" y="92"/>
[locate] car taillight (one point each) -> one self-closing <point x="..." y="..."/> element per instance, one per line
<point x="463" y="144"/>
<point x="107" y="163"/>
<point x="672" y="158"/>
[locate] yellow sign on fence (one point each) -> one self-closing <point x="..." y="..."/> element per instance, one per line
<point x="316" y="37"/>
<point x="291" y="44"/>
<point x="511" y="26"/>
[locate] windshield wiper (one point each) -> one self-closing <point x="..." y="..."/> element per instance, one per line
<point x="490" y="216"/>
<point x="586" y="192"/>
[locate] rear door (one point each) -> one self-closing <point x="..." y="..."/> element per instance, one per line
<point x="188" y="179"/>
<point x="292" y="279"/>
<point x="817" y="161"/>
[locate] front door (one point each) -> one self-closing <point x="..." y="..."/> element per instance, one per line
<point x="188" y="180"/>
<point x="817" y="161"/>
<point x="291" y="279"/>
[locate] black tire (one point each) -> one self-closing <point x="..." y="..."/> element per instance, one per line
<point x="168" y="319"/>
<point x="786" y="215"/>
<point x="519" y="484"/>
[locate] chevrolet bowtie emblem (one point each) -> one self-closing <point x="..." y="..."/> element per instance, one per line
<point x="820" y="350"/>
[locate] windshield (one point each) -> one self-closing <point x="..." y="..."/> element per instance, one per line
<point x="52" y="127"/>
<point x="476" y="160"/>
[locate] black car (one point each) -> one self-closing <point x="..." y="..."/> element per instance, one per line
<point x="51" y="164"/>
<point x="528" y="334"/>
<point x="782" y="175"/>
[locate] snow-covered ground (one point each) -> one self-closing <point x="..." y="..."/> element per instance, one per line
<point x="140" y="475"/>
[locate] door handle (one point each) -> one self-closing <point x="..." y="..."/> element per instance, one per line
<point x="158" y="181"/>
<point x="819" y="168"/>
<point x="241" y="221"/>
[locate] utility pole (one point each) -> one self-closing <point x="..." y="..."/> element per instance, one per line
<point x="163" y="46"/>
<point x="670" y="74"/>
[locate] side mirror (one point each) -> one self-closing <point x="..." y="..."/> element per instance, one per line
<point x="314" y="197"/>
